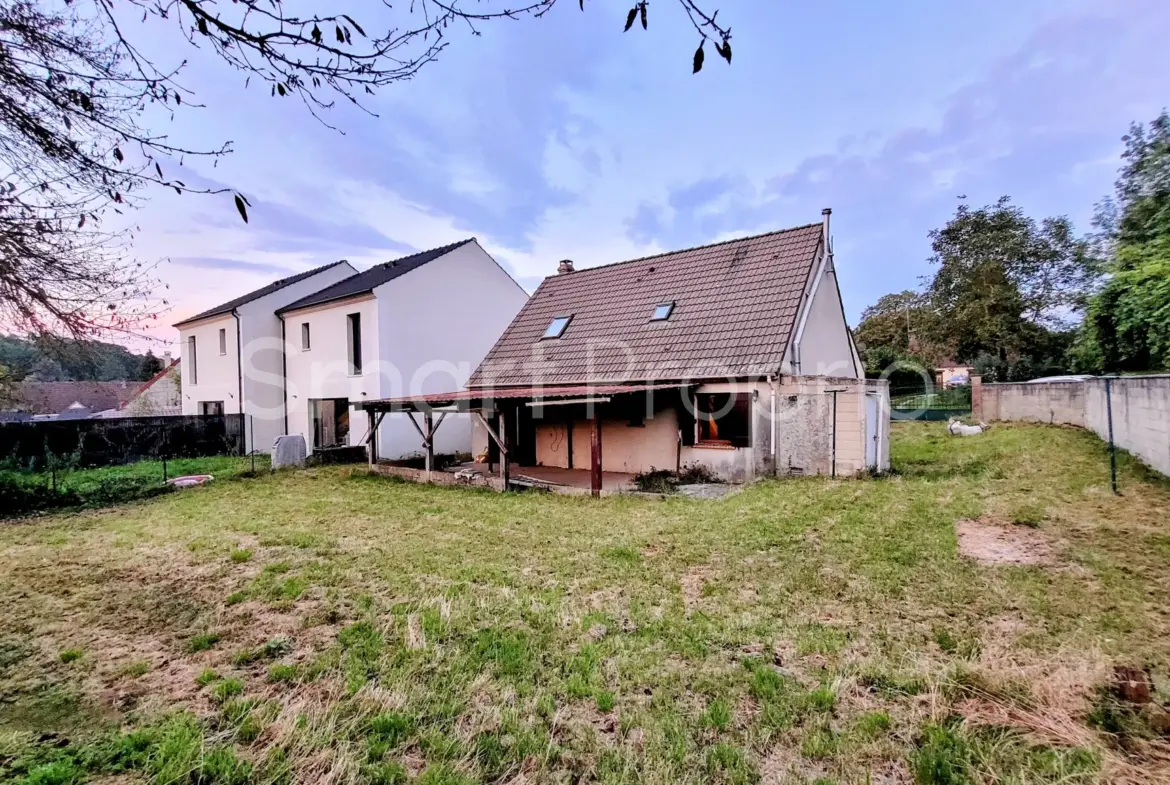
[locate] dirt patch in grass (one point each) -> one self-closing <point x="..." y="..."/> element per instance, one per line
<point x="990" y="542"/>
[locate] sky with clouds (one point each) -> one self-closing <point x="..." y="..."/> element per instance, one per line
<point x="565" y="138"/>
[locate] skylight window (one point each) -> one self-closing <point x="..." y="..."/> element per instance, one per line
<point x="557" y="326"/>
<point x="662" y="312"/>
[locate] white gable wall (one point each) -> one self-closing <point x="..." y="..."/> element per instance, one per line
<point x="217" y="376"/>
<point x="826" y="347"/>
<point x="436" y="324"/>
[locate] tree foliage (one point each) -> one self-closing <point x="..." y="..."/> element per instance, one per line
<point x="1004" y="290"/>
<point x="50" y="359"/>
<point x="1128" y="328"/>
<point x="81" y="104"/>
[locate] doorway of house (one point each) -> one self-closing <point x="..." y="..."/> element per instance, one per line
<point x="211" y="407"/>
<point x="330" y="422"/>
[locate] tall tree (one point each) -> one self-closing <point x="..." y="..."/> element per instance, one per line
<point x="1128" y="328"/>
<point x="76" y="136"/>
<point x="901" y="326"/>
<point x="1000" y="275"/>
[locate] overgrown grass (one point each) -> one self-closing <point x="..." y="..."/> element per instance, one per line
<point x="23" y="492"/>
<point x="801" y="631"/>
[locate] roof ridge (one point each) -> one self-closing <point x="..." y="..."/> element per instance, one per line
<point x="248" y="297"/>
<point x="310" y="299"/>
<point x="682" y="250"/>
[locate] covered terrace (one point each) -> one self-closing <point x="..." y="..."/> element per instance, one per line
<point x="507" y="415"/>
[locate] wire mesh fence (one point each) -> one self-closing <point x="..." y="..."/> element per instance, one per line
<point x="933" y="404"/>
<point x="64" y="463"/>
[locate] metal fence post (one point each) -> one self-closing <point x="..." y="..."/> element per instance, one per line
<point x="165" y="445"/>
<point x="252" y="440"/>
<point x="1112" y="446"/>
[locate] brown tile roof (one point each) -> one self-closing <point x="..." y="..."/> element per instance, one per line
<point x="735" y="306"/>
<point x="57" y="397"/>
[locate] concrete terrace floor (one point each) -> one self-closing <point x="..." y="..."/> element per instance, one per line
<point x="329" y="626"/>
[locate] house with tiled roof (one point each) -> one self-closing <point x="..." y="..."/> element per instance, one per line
<point x="733" y="357"/>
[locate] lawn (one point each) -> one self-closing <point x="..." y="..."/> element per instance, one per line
<point x="328" y="626"/>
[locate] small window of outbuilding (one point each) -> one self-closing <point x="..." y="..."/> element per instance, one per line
<point x="723" y="420"/>
<point x="662" y="312"/>
<point x="557" y="326"/>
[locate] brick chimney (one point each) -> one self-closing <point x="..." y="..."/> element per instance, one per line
<point x="565" y="267"/>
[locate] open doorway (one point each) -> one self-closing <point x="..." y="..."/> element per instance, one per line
<point x="330" y="422"/>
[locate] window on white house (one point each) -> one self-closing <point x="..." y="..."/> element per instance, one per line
<point x="662" y="312"/>
<point x="214" y="408"/>
<point x="557" y="326"/>
<point x="222" y="341"/>
<point x="192" y="362"/>
<point x="354" y="332"/>
<point x="306" y="344"/>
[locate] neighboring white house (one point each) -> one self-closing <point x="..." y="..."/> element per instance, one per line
<point x="413" y="325"/>
<point x="232" y="358"/>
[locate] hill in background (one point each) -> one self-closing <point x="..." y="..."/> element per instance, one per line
<point x="59" y="360"/>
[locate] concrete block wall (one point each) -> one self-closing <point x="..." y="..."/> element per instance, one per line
<point x="1055" y="404"/>
<point x="1141" y="416"/>
<point x="1141" y="411"/>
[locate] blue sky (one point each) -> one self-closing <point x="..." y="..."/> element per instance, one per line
<point x="564" y="137"/>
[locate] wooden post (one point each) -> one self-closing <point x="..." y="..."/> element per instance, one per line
<point x="570" y="442"/>
<point x="429" y="443"/>
<point x="504" y="450"/>
<point x="595" y="473"/>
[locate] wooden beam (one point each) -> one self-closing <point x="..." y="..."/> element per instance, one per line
<point x="491" y="433"/>
<point x="372" y="441"/>
<point x="503" y="450"/>
<point x="417" y="427"/>
<point x="570" y="442"/>
<point x="595" y="473"/>
<point x="429" y="443"/>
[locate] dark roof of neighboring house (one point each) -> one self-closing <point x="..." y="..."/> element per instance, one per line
<point x="57" y="397"/>
<point x="263" y="291"/>
<point x="735" y="306"/>
<point x="375" y="276"/>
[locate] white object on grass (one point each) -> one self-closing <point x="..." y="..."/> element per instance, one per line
<point x="955" y="427"/>
<point x="288" y="451"/>
<point x="190" y="480"/>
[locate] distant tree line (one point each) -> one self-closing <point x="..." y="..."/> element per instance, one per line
<point x="68" y="360"/>
<point x="1019" y="298"/>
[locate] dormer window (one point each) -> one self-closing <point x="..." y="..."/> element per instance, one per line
<point x="557" y="326"/>
<point x="662" y="312"/>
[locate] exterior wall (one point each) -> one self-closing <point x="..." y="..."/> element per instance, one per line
<point x="436" y="324"/>
<point x="1141" y="411"/>
<point x="218" y="374"/>
<point x="804" y="428"/>
<point x="163" y="397"/>
<point x="259" y="340"/>
<point x="1141" y="416"/>
<point x="881" y="428"/>
<point x="323" y="370"/>
<point x="826" y="348"/>
<point x="624" y="448"/>
<point x="1058" y="403"/>
<point x="263" y="372"/>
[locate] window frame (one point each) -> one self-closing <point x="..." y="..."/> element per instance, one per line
<point x="203" y="405"/>
<point x="192" y="360"/>
<point x="738" y="438"/>
<point x="353" y="339"/>
<point x="668" y="305"/>
<point x="306" y="337"/>
<point x="548" y="335"/>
